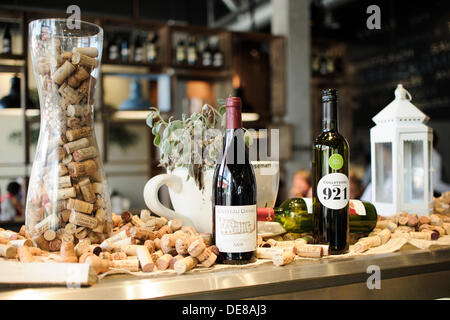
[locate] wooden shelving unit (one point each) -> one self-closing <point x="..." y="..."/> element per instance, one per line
<point x="164" y="65"/>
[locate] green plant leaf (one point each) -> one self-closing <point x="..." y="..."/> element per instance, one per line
<point x="157" y="140"/>
<point x="222" y="110"/>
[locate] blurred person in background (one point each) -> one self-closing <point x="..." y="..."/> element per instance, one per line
<point x="301" y="185"/>
<point x="11" y="205"/>
<point x="356" y="186"/>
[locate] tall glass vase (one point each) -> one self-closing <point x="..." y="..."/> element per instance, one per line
<point x="68" y="199"/>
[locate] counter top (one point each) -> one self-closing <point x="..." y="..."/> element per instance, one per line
<point x="407" y="274"/>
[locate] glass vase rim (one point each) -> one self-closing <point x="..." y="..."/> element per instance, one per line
<point x="99" y="33"/>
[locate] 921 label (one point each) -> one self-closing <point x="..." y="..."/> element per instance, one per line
<point x="333" y="191"/>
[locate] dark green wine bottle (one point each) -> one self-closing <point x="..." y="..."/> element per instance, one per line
<point x="331" y="187"/>
<point x="295" y="215"/>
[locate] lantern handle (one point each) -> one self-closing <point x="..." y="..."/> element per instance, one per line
<point x="402" y="93"/>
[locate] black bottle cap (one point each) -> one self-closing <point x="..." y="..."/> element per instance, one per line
<point x="329" y="95"/>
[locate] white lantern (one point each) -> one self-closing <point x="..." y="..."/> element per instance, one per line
<point x="401" y="147"/>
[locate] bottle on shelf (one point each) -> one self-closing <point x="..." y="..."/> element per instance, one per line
<point x="331" y="188"/>
<point x="234" y="194"/>
<point x="125" y="49"/>
<point x="217" y="56"/>
<point x="7" y="42"/>
<point x="113" y="49"/>
<point x="138" y="54"/>
<point x="151" y="48"/>
<point x="295" y="215"/>
<point x="192" y="55"/>
<point x="180" y="51"/>
<point x="207" y="55"/>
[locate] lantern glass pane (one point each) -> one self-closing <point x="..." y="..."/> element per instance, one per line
<point x="413" y="171"/>
<point x="383" y="169"/>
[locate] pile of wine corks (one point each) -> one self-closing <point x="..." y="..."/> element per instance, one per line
<point x="151" y="244"/>
<point x="284" y="252"/>
<point x="441" y="205"/>
<point x="138" y="243"/>
<point x="405" y="225"/>
<point x="68" y="198"/>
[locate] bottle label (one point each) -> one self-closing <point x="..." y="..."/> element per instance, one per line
<point x="333" y="191"/>
<point x="336" y="161"/>
<point x="236" y="228"/>
<point x="357" y="208"/>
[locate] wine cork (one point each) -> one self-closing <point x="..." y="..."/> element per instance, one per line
<point x="145" y="259"/>
<point x="67" y="253"/>
<point x="175" y="224"/>
<point x="67" y="237"/>
<point x="196" y="248"/>
<point x="435" y="220"/>
<point x="25" y="255"/>
<point x="62" y="170"/>
<point x="163" y="230"/>
<point x="79" y="205"/>
<point x="84" y="60"/>
<point x="268" y="253"/>
<point x="85" y="168"/>
<point x="383" y="224"/>
<point x="210" y="259"/>
<point x="51" y="221"/>
<point x="207" y="238"/>
<point x="86" y="190"/>
<point x="81" y="219"/>
<point x="156" y="255"/>
<point x="41" y="242"/>
<point x="309" y="251"/>
<point x="100" y="216"/>
<point x="85" y="154"/>
<point x="145" y="215"/>
<point x="70" y="228"/>
<point x="142" y="234"/>
<point x="8" y="251"/>
<point x="88" y="51"/>
<point x="55" y="245"/>
<point x="97" y="187"/>
<point x="76" y="145"/>
<point x="108" y="244"/>
<point x="173" y="260"/>
<point x="63" y="72"/>
<point x="126" y="216"/>
<point x="49" y="235"/>
<point x="150" y="246"/>
<point x="283" y="258"/>
<point x="81" y="233"/>
<point x="186" y="264"/>
<point x="64" y="182"/>
<point x="163" y="262"/>
<point x="82" y="247"/>
<point x="66" y="193"/>
<point x="131" y="249"/>
<point x="76" y="134"/>
<point x="21" y="243"/>
<point x="136" y="221"/>
<point x="129" y="264"/>
<point x="118" y="255"/>
<point x="77" y="77"/>
<point x="413" y="220"/>
<point x="420" y="235"/>
<point x="384" y="235"/>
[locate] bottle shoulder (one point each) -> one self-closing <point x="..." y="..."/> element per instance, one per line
<point x="330" y="139"/>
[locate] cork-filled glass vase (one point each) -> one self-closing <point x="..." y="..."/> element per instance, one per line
<point x="68" y="197"/>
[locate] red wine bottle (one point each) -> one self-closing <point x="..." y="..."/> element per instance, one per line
<point x="234" y="195"/>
